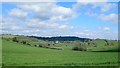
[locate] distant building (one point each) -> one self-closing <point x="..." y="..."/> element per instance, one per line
<point x="56" y="42"/>
<point x="53" y="42"/>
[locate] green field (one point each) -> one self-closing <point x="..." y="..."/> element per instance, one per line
<point x="0" y="53"/>
<point x="17" y="54"/>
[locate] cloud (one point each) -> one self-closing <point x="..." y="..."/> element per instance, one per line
<point x="48" y="11"/>
<point x="102" y="6"/>
<point x="88" y="34"/>
<point x="36" y="23"/>
<point x="63" y="26"/>
<point x="106" y="28"/>
<point x="18" y="13"/>
<point x="92" y="0"/>
<point x="103" y="10"/>
<point x="110" y="17"/>
<point x="10" y="24"/>
<point x="38" y="18"/>
<point x="102" y="32"/>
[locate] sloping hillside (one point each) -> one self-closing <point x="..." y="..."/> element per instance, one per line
<point x="92" y="45"/>
<point x="23" y="39"/>
<point x="101" y="45"/>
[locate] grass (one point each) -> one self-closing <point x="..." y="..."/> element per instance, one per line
<point x="101" y="46"/>
<point x="0" y="52"/>
<point x="16" y="54"/>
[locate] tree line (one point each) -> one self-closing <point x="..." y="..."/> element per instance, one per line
<point x="61" y="38"/>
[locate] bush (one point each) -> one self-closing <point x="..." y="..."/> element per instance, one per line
<point x="48" y="44"/>
<point x="35" y="45"/>
<point x="28" y="43"/>
<point x="24" y="42"/>
<point x="112" y="44"/>
<point x="79" y="47"/>
<point x="40" y="45"/>
<point x="15" y="39"/>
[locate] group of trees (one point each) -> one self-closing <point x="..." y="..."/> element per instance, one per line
<point x="82" y="46"/>
<point x="61" y="38"/>
<point x="16" y="40"/>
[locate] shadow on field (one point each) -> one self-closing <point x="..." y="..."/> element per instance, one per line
<point x="115" y="50"/>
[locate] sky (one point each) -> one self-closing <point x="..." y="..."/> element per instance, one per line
<point x="81" y="19"/>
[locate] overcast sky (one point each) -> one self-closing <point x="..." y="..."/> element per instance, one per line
<point x="82" y="19"/>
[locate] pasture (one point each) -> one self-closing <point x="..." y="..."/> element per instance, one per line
<point x="17" y="54"/>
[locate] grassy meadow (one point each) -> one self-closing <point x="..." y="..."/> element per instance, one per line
<point x="17" y="54"/>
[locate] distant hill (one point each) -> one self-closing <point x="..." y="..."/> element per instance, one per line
<point x="61" y="38"/>
<point x="94" y="45"/>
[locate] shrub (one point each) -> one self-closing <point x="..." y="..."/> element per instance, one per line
<point x="14" y="39"/>
<point x="40" y="45"/>
<point x="106" y="43"/>
<point x="79" y="47"/>
<point x="94" y="44"/>
<point x="28" y="44"/>
<point x="24" y="42"/>
<point x="35" y="45"/>
<point x="48" y="44"/>
<point x="112" y="44"/>
<point x="53" y="44"/>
